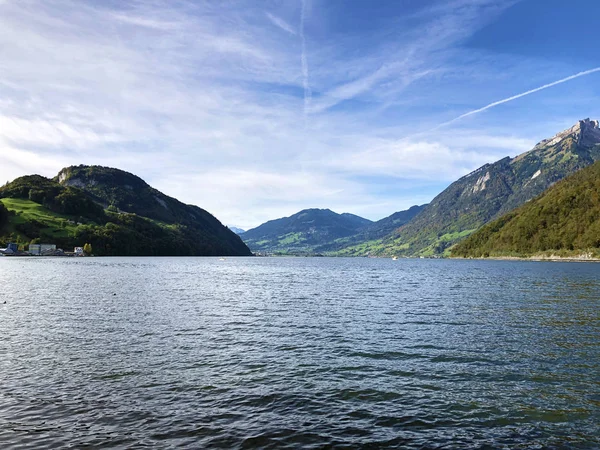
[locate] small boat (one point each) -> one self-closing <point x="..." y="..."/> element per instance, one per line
<point x="394" y="258"/>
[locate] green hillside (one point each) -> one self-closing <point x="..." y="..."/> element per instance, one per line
<point x="565" y="220"/>
<point x="305" y="232"/>
<point x="368" y="240"/>
<point x="29" y="218"/>
<point x="489" y="192"/>
<point x="322" y="231"/>
<point x="35" y="208"/>
<point x="126" y="192"/>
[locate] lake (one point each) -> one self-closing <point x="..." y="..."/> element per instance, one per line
<point x="298" y="353"/>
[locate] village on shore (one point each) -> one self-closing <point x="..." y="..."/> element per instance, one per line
<point x="14" y="249"/>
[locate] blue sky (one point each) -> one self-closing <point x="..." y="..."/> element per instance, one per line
<point x="256" y="109"/>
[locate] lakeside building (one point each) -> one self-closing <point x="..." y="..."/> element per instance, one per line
<point x="35" y="249"/>
<point x="41" y="249"/>
<point x="11" y="249"/>
<point x="47" y="248"/>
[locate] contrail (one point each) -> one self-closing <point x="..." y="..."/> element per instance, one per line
<point x="514" y="97"/>
<point x="305" y="79"/>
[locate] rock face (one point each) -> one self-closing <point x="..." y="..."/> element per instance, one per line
<point x="563" y="220"/>
<point x="495" y="189"/>
<point x="585" y="132"/>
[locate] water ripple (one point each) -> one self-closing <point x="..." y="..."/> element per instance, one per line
<point x="298" y="353"/>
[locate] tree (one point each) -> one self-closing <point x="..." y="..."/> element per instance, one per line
<point x="87" y="249"/>
<point x="37" y="195"/>
<point x="3" y="215"/>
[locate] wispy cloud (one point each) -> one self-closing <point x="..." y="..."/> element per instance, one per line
<point x="279" y="22"/>
<point x="434" y="158"/>
<point x="523" y="94"/>
<point x="145" y="22"/>
<point x="304" y="60"/>
<point x="407" y="53"/>
<point x="205" y="100"/>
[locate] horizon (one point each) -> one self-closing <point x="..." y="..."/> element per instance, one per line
<point x="254" y="113"/>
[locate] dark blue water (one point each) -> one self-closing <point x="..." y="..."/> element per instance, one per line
<point x="298" y="353"/>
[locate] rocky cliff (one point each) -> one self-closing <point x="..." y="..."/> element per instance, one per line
<point x="493" y="190"/>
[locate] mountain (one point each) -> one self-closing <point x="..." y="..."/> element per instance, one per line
<point x="303" y="232"/>
<point x="116" y="211"/>
<point x="492" y="190"/>
<point x="237" y="230"/>
<point x="564" y="220"/>
<point x="388" y="224"/>
<point x="368" y="235"/>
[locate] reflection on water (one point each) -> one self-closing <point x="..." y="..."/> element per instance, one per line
<point x="298" y="353"/>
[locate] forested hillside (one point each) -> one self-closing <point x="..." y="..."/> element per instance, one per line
<point x="564" y="220"/>
<point x="304" y="232"/>
<point x="117" y="212"/>
<point x="489" y="192"/>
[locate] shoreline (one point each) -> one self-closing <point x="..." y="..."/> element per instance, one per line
<point x="536" y="258"/>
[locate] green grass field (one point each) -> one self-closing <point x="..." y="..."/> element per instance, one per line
<point x="54" y="224"/>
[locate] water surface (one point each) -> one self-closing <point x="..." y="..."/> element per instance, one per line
<point x="298" y="353"/>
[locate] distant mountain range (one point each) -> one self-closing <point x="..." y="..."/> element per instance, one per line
<point x="489" y="192"/>
<point x="237" y="230"/>
<point x="303" y="232"/>
<point x="115" y="211"/>
<point x="120" y="214"/>
<point x="431" y="230"/>
<point x="365" y="239"/>
<point x="315" y="231"/>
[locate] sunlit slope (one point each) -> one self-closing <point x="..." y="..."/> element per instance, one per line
<point x="322" y="231"/>
<point x="109" y="216"/>
<point x="28" y="218"/>
<point x="489" y="192"/>
<point x="564" y="220"/>
<point x="304" y="232"/>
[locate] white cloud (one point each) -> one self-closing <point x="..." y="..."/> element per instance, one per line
<point x="209" y="101"/>
<point x="15" y="160"/>
<point x="144" y="22"/>
<point x="266" y="195"/>
<point x="421" y="160"/>
<point x="51" y="133"/>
